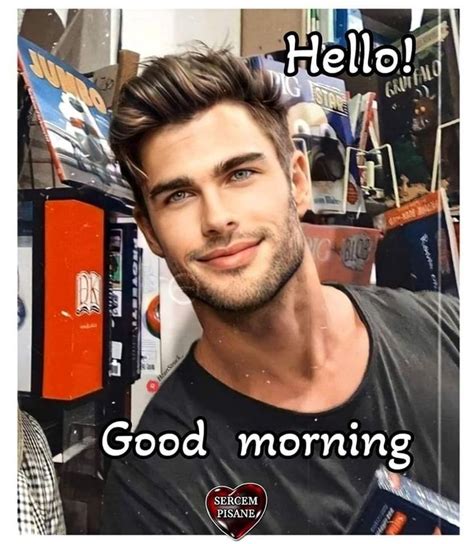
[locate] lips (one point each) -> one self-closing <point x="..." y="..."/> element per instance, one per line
<point x="232" y="250"/>
<point x="235" y="256"/>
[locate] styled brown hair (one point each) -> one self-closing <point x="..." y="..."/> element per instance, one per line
<point x="174" y="88"/>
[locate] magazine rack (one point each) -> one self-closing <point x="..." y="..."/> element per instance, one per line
<point x="436" y="172"/>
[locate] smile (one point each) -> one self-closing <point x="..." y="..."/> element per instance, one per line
<point x="240" y="254"/>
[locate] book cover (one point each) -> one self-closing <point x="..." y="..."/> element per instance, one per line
<point x="318" y="113"/>
<point x="411" y="108"/>
<point x="74" y="121"/>
<point x="419" y="250"/>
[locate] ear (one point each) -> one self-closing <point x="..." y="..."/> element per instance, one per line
<point x="146" y="227"/>
<point x="301" y="182"/>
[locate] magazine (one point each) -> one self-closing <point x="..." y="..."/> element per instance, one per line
<point x="74" y="121"/>
<point x="411" y="108"/>
<point x="318" y="113"/>
<point x="419" y="249"/>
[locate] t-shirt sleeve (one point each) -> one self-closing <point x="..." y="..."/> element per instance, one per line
<point x="450" y="318"/>
<point x="135" y="504"/>
<point x="444" y="313"/>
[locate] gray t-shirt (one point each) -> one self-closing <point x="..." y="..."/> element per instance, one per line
<point x="411" y="383"/>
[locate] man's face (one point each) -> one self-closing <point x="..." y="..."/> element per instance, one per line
<point x="221" y="209"/>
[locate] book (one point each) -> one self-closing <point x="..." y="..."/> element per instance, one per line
<point x="342" y="254"/>
<point x="397" y="505"/>
<point x="318" y="113"/>
<point x="124" y="302"/>
<point x="419" y="249"/>
<point x="74" y="121"/>
<point x="411" y="108"/>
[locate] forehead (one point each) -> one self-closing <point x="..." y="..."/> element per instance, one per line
<point x="222" y="131"/>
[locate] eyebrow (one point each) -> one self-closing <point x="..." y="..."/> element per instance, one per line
<point x="176" y="184"/>
<point x="185" y="182"/>
<point x="235" y="162"/>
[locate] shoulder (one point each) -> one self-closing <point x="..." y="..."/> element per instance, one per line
<point x="417" y="314"/>
<point x="429" y="304"/>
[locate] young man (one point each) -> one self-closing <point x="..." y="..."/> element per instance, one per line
<point x="220" y="188"/>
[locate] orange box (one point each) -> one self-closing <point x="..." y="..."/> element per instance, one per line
<point x="73" y="299"/>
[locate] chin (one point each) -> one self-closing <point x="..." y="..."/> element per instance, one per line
<point x="247" y="296"/>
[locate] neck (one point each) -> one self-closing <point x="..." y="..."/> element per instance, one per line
<point x="287" y="343"/>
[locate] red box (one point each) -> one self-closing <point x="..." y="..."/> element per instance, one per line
<point x="73" y="299"/>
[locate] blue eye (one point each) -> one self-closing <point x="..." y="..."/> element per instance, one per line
<point x="241" y="175"/>
<point x="177" y="197"/>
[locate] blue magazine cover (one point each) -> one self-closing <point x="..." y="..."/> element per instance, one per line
<point x="419" y="250"/>
<point x="318" y="115"/>
<point x="74" y="120"/>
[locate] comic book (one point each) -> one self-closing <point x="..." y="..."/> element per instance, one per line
<point x="318" y="114"/>
<point x="412" y="107"/>
<point x="419" y="250"/>
<point x="74" y="120"/>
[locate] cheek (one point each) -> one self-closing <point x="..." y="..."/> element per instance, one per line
<point x="269" y="199"/>
<point x="177" y="236"/>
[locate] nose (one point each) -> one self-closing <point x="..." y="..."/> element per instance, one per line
<point x="217" y="217"/>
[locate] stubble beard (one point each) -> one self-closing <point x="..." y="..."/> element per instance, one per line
<point x="245" y="295"/>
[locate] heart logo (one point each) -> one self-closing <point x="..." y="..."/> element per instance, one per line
<point x="236" y="511"/>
